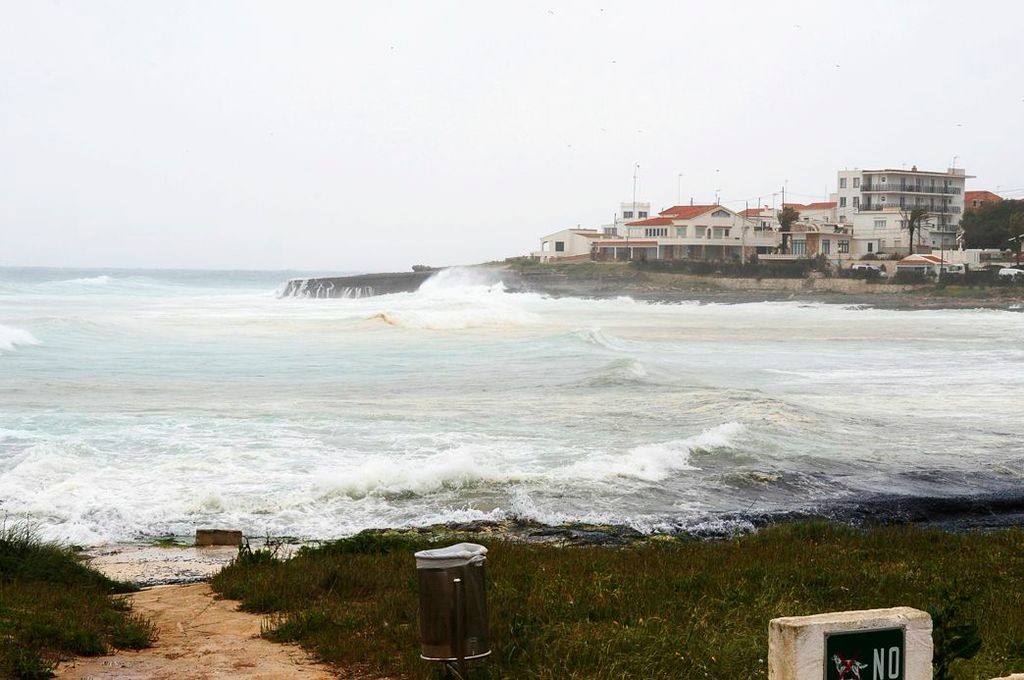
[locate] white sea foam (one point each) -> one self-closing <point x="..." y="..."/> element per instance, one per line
<point x="389" y="476"/>
<point x="653" y="462"/>
<point x="12" y="338"/>
<point x="101" y="280"/>
<point x="456" y="299"/>
<point x="167" y="403"/>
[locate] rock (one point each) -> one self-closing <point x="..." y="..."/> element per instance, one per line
<point x="206" y="537"/>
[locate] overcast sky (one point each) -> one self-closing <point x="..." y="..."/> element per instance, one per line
<point x="377" y="135"/>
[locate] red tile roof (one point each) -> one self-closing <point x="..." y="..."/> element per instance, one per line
<point x="651" y="222"/>
<point x="823" y="205"/>
<point x="685" y="212"/>
<point x="982" y="195"/>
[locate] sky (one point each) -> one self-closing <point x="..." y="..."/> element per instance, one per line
<point x="373" y="136"/>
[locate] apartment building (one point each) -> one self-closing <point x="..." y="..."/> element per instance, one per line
<point x="877" y="203"/>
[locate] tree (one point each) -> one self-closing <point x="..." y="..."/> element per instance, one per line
<point x="990" y="225"/>
<point x="787" y="216"/>
<point x="912" y="223"/>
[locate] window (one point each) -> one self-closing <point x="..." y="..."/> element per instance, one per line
<point x="856" y="201"/>
<point x="699" y="232"/>
<point x="680" y="232"/>
<point x="896" y="242"/>
<point x="842" y="219"/>
<point x="844" y="247"/>
<point x="720" y="213"/>
<point x="656" y="231"/>
<point x="642" y="214"/>
<point x="882" y="198"/>
<point x="719" y="232"/>
<point x="826" y="247"/>
<point x="627" y="214"/>
<point x="871" y="246"/>
<point x="799" y="247"/>
<point x="842" y="201"/>
<point x="842" y="182"/>
<point x="879" y="224"/>
<point x="559" y="246"/>
<point x="856" y="183"/>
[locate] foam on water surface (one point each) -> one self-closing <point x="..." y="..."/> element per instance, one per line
<point x="139" y="404"/>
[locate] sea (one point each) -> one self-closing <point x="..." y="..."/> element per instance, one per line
<point x="144" y="403"/>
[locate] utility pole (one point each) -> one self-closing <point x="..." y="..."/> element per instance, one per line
<point x="679" y="189"/>
<point x="636" y="170"/>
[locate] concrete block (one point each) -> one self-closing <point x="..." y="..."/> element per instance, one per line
<point x="797" y="645"/>
<point x="206" y="537"/>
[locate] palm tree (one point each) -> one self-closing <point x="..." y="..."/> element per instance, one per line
<point x="913" y="222"/>
<point x="787" y="216"/>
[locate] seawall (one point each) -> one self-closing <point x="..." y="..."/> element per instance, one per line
<point x="361" y="285"/>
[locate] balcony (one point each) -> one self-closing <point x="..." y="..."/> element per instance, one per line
<point x="896" y="187"/>
<point x="896" y="208"/>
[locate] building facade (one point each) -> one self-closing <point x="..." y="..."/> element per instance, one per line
<point x="567" y="244"/>
<point x="700" y="232"/>
<point x="878" y="203"/>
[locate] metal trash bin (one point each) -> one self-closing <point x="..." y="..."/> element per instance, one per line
<point x="453" y="604"/>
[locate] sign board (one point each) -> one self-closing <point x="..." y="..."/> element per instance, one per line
<point x="872" y="654"/>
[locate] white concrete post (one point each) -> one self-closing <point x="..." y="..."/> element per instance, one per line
<point x="797" y="646"/>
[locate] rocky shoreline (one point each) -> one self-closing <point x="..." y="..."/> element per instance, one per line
<point x="150" y="565"/>
<point x="610" y="280"/>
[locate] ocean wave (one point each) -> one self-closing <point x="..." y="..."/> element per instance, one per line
<point x="456" y="299"/>
<point x="595" y="336"/>
<point x="619" y="372"/>
<point x="467" y="317"/>
<point x="385" y="476"/>
<point x="477" y="465"/>
<point x="12" y="338"/>
<point x="654" y="462"/>
<point x="101" y="280"/>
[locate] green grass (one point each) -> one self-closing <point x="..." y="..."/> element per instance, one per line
<point x="663" y="608"/>
<point x="52" y="606"/>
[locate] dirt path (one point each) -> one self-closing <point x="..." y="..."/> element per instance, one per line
<point x="199" y="638"/>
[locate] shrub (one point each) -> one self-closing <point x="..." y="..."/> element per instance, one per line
<point x="52" y="605"/>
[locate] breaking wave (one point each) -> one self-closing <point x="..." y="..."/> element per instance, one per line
<point x="456" y="299"/>
<point x="12" y="338"/>
<point x="101" y="280"/>
<point x="655" y="462"/>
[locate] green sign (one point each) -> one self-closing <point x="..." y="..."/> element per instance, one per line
<point x="865" y="655"/>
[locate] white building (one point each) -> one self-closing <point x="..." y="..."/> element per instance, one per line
<point x="628" y="212"/>
<point x="878" y="202"/>
<point x="567" y="244"/>
<point x="704" y="232"/>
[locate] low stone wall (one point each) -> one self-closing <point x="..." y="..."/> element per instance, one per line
<point x="822" y="285"/>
